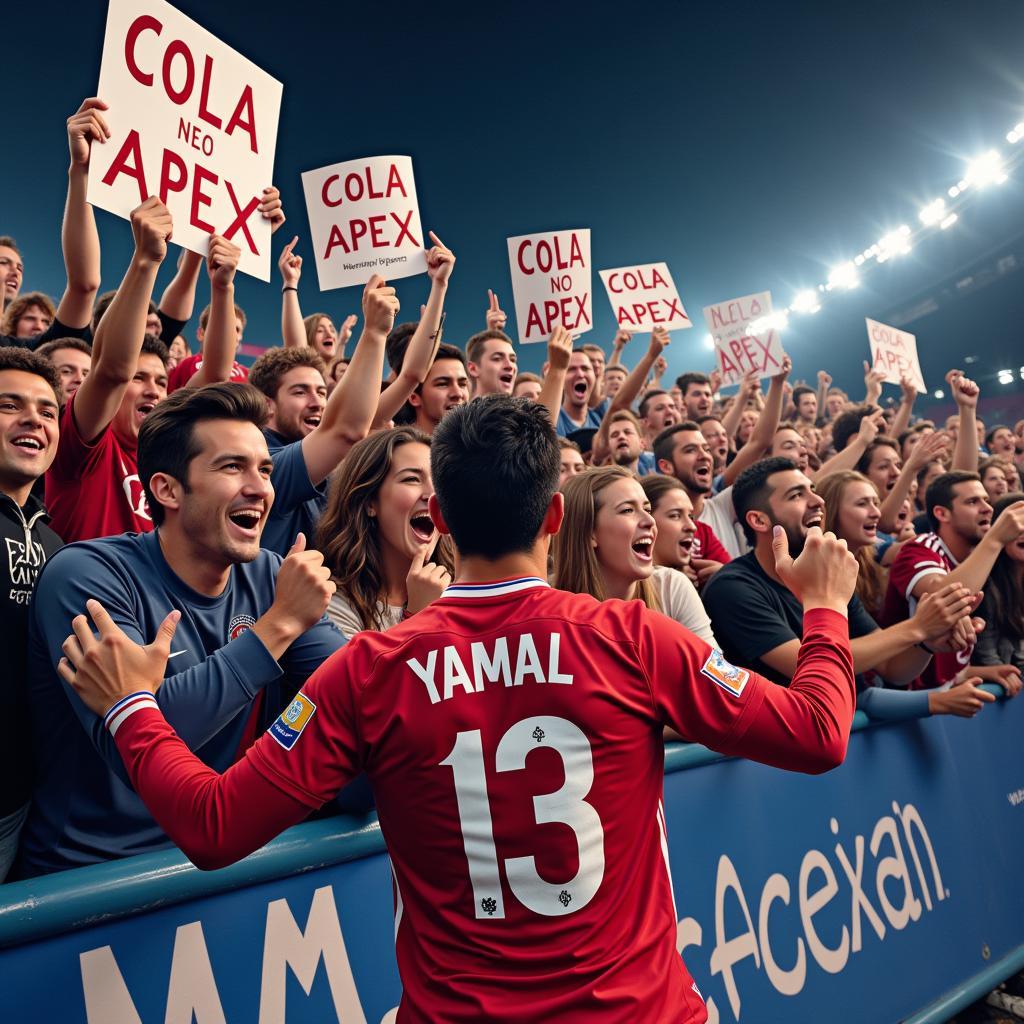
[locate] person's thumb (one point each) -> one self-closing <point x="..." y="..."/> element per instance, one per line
<point x="780" y="548"/>
<point x="299" y="545"/>
<point x="165" y="634"/>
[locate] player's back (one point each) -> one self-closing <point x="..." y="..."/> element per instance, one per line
<point x="511" y="735"/>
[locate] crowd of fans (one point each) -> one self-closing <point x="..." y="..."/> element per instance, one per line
<point x="277" y="544"/>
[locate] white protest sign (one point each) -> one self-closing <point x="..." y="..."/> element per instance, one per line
<point x="551" y="283"/>
<point x="365" y="220"/>
<point x="894" y="352"/>
<point x="644" y="297"/>
<point x="742" y="343"/>
<point x="192" y="122"/>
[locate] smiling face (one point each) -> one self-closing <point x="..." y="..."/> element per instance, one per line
<point x="325" y="339"/>
<point x="222" y="511"/>
<point x="400" y="507"/>
<point x="793" y="505"/>
<point x="11" y="272"/>
<point x="624" y="534"/>
<point x="446" y="386"/>
<point x="299" y="404"/>
<point x="28" y="429"/>
<point x="495" y="373"/>
<point x="146" y="388"/>
<point x="859" y="513"/>
<point x="73" y="367"/>
<point x="691" y="462"/>
<point x="883" y="468"/>
<point x="676" y="529"/>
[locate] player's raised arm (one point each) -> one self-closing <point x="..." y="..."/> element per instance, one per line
<point x="215" y="819"/>
<point x="804" y="727"/>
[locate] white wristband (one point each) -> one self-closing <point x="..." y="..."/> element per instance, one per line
<point x="126" y="707"/>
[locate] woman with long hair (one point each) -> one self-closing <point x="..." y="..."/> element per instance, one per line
<point x="852" y="512"/>
<point x="1000" y="645"/>
<point x="605" y="548"/>
<point x="377" y="537"/>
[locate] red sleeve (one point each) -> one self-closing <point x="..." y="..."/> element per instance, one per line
<point x="214" y="819"/>
<point x="912" y="563"/>
<point x="181" y="374"/>
<point x="804" y="727"/>
<point x="711" y="546"/>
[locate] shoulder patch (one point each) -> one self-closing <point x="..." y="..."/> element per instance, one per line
<point x="728" y="677"/>
<point x="291" y="722"/>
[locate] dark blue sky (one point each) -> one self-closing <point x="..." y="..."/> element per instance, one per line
<point x="749" y="145"/>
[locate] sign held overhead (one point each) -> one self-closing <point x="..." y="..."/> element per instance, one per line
<point x="644" y="297"/>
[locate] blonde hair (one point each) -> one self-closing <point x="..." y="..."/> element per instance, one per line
<point x="312" y="322"/>
<point x="576" y="565"/>
<point x="871" y="577"/>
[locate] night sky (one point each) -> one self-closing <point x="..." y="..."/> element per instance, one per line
<point x="750" y="146"/>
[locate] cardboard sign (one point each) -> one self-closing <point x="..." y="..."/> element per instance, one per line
<point x="739" y="348"/>
<point x="644" y="297"/>
<point x="895" y="352"/>
<point x="365" y="220"/>
<point x="192" y="122"/>
<point x="551" y="283"/>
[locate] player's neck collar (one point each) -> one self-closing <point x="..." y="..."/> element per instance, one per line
<point x="495" y="589"/>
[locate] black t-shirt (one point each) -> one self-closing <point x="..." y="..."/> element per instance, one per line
<point x="752" y="614"/>
<point x="169" y="330"/>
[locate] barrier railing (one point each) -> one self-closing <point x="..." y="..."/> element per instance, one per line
<point x="886" y="890"/>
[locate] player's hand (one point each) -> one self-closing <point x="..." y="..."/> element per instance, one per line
<point x="559" y="348"/>
<point x="222" y="262"/>
<point x="715" y="376"/>
<point x="964" y="699"/>
<point x="706" y="568"/>
<point x="380" y="306"/>
<point x="785" y="370"/>
<point x="425" y="581"/>
<point x="868" y="429"/>
<point x="440" y="261"/>
<point x="102" y="669"/>
<point x="495" y="316"/>
<point x="303" y="589"/>
<point x="824" y="575"/>
<point x="290" y="265"/>
<point x="86" y="126"/>
<point x="152" y="226"/>
<point x="271" y="208"/>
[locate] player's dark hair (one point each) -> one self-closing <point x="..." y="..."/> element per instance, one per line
<point x="153" y="346"/>
<point x="653" y="393"/>
<point x="32" y="362"/>
<point x="657" y="485"/>
<point x="882" y="441"/>
<point x="397" y="343"/>
<point x="475" y="346"/>
<point x="799" y="391"/>
<point x="752" y="490"/>
<point x="47" y="349"/>
<point x="942" y="491"/>
<point x="1004" y="599"/>
<point x="269" y="370"/>
<point x="495" y="465"/>
<point x="846" y="424"/>
<point x="992" y="433"/>
<point x="167" y="441"/>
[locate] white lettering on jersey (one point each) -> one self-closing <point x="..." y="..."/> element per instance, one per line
<point x="491" y="662"/>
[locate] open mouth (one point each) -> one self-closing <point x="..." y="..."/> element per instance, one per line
<point x="246" y="519"/>
<point x="146" y="408"/>
<point x="686" y="545"/>
<point x="422" y="527"/>
<point x="702" y="472"/>
<point x="312" y="422"/>
<point x="507" y="380"/>
<point x="580" y="389"/>
<point x="814" y="519"/>
<point x="29" y="443"/>
<point x="644" y="548"/>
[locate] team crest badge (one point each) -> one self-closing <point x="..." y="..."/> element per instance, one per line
<point x="238" y="625"/>
<point x="728" y="677"/>
<point x="288" y="727"/>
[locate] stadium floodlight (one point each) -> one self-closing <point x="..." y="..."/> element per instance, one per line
<point x="895" y="243"/>
<point x="939" y="393"/>
<point x="1006" y="376"/>
<point x="948" y="221"/>
<point x="806" y="301"/>
<point x="986" y="169"/>
<point x="933" y="212"/>
<point x="1016" y="133"/>
<point x="779" y="320"/>
<point x="709" y="342"/>
<point x="844" y="276"/>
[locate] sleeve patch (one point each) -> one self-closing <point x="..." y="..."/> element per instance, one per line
<point x="292" y="721"/>
<point x="728" y="677"/>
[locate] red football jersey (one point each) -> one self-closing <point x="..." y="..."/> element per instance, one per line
<point x="187" y="369"/>
<point x="93" y="490"/>
<point x="925" y="555"/>
<point x="512" y="734"/>
<point x="707" y="545"/>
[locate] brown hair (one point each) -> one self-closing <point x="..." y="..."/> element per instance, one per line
<point x="475" y="345"/>
<point x="871" y="577"/>
<point x="267" y="371"/>
<point x="577" y="568"/>
<point x="525" y="378"/>
<point x="12" y="358"/>
<point x="657" y="485"/>
<point x="102" y="304"/>
<point x="20" y="306"/>
<point x="204" y="317"/>
<point x="47" y="350"/>
<point x="347" y="533"/>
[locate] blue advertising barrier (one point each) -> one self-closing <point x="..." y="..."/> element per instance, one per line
<point x="887" y="890"/>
